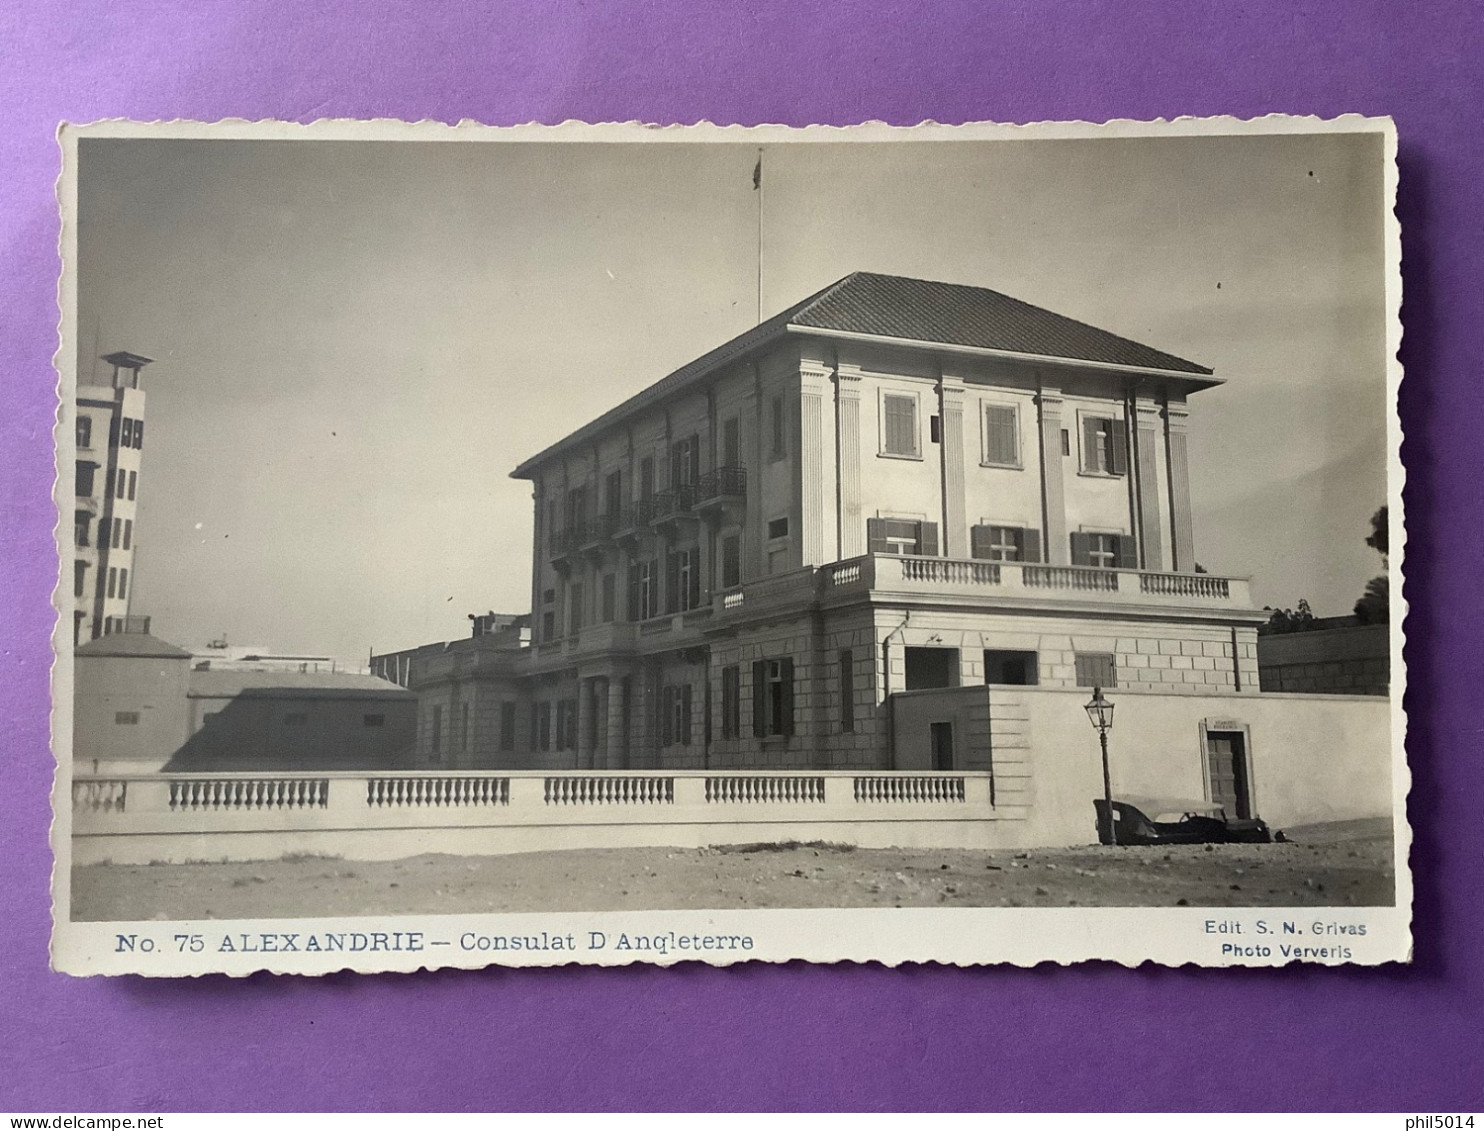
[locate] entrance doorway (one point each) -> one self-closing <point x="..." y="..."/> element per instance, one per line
<point x="1227" y="771"/>
<point x="941" y="738"/>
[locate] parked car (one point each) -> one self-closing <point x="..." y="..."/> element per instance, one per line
<point x="1170" y="820"/>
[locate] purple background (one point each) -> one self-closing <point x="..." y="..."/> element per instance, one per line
<point x="793" y="1036"/>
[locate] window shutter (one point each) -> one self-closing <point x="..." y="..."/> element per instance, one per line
<point x="672" y="583"/>
<point x="927" y="539"/>
<point x="693" y="598"/>
<point x="139" y="434"/>
<point x="1120" y="448"/>
<point x="759" y="698"/>
<point x="1128" y="552"/>
<point x="979" y="541"/>
<point x="695" y="459"/>
<point x="633" y="574"/>
<point x="999" y="434"/>
<point x="1081" y="548"/>
<point x="787" y="667"/>
<point x="667" y="716"/>
<point x="1031" y="543"/>
<point x="1090" y="455"/>
<point x="876" y="536"/>
<point x="685" y="704"/>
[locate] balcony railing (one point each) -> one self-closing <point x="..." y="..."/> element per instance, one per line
<point x="723" y="483"/>
<point x="973" y="578"/>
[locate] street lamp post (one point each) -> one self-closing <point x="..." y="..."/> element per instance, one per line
<point x="1100" y="712"/>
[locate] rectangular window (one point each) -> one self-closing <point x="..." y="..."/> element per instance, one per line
<point x="685" y="462"/>
<point x="84" y="431"/>
<point x="1104" y="551"/>
<point x="128" y="434"/>
<point x="118" y="533"/>
<point x="296" y="719"/>
<point x="609" y="598"/>
<point x="128" y="532"/>
<point x="613" y="494"/>
<point x="113" y="581"/>
<point x="1096" y="669"/>
<point x="899" y="425"/>
<point x="731" y="444"/>
<point x="731" y="561"/>
<point x="575" y="594"/>
<point x="1066" y="442"/>
<point x="126" y="718"/>
<point x="464" y="726"/>
<point x="436" y="740"/>
<point x="731" y="702"/>
<point x="123" y="583"/>
<point x="772" y="698"/>
<point x="646" y="477"/>
<point x="118" y="484"/>
<point x="133" y="475"/>
<point x="1005" y="544"/>
<point x="779" y="433"/>
<point x="1104" y="446"/>
<point x="543" y="726"/>
<point x="847" y="691"/>
<point x="777" y="528"/>
<point x="548" y="626"/>
<point x="935" y="429"/>
<point x="79" y="578"/>
<point x="507" y="726"/>
<point x="376" y="720"/>
<point x="647" y="573"/>
<point x="684" y="580"/>
<point x="86" y="470"/>
<point x="138" y="434"/>
<point x="676" y="708"/>
<point x="1018" y="668"/>
<point x="1001" y="439"/>
<point x="82" y="524"/>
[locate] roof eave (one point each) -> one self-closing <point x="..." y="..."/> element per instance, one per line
<point x="1203" y="380"/>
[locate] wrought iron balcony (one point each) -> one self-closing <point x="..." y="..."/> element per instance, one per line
<point x="720" y="486"/>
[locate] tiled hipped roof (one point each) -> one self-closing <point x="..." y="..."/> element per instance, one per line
<point x="915" y="310"/>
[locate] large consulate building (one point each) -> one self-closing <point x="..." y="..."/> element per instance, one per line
<point x="891" y="487"/>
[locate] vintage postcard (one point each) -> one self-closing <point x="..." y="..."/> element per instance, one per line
<point x="613" y="544"/>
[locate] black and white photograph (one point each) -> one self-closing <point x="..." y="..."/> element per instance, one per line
<point x="610" y="544"/>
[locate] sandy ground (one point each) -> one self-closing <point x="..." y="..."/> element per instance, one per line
<point x="1344" y="864"/>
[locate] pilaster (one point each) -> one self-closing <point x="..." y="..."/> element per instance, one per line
<point x="813" y="485"/>
<point x="951" y="453"/>
<point x="1177" y="420"/>
<point x="850" y="522"/>
<point x="1146" y="438"/>
<point x="1053" y="505"/>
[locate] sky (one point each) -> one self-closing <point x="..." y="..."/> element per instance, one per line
<point x="356" y="342"/>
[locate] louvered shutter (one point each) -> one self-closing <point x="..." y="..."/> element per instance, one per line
<point x="876" y="536"/>
<point x="672" y="583"/>
<point x="633" y="573"/>
<point x="760" y="698"/>
<point x="787" y="667"/>
<point x="685" y="703"/>
<point x="1128" y="552"/>
<point x="1031" y="545"/>
<point x="1120" y="448"/>
<point x="979" y="541"/>
<point x="999" y="434"/>
<point x="1091" y="456"/>
<point x="1081" y="548"/>
<point x="927" y="539"/>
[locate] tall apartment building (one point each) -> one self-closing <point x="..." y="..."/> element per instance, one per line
<point x="110" y="441"/>
<point x="893" y="485"/>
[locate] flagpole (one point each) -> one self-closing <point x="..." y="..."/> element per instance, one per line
<point x="757" y="183"/>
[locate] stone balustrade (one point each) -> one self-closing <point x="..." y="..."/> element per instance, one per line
<point x="176" y="818"/>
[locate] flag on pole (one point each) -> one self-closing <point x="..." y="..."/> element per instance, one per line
<point x="757" y="171"/>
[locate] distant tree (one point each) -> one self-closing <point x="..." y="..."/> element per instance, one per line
<point x="1290" y="620"/>
<point x="1374" y="606"/>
